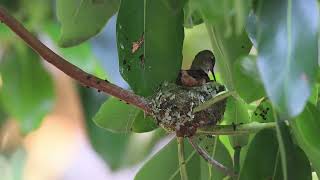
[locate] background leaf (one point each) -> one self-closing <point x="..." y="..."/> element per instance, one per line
<point x="219" y="152"/>
<point x="27" y="91"/>
<point x="305" y="129"/>
<point x="265" y="146"/>
<point x="164" y="164"/>
<point x="247" y="80"/>
<point x="118" y="150"/>
<point x="158" y="25"/>
<point x="226" y="50"/>
<point x="287" y="45"/>
<point x="117" y="116"/>
<point x="82" y="19"/>
<point x="236" y="113"/>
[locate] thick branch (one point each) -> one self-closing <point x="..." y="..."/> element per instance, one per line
<point x="68" y="68"/>
<point x="235" y="129"/>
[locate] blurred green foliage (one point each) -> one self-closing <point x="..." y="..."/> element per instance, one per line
<point x="273" y="81"/>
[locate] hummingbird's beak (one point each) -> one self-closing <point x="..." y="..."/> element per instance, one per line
<point x="214" y="77"/>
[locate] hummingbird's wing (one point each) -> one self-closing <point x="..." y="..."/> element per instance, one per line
<point x="192" y="78"/>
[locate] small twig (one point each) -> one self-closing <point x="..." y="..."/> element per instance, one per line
<point x="181" y="156"/>
<point x="235" y="129"/>
<point x="68" y="68"/>
<point x="210" y="160"/>
<point x="219" y="97"/>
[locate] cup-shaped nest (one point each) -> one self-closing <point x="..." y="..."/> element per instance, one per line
<point x="173" y="106"/>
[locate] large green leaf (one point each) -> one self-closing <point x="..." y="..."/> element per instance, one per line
<point x="264" y="149"/>
<point x="82" y="19"/>
<point x="165" y="165"/>
<point x="247" y="81"/>
<point x="305" y="128"/>
<point x="287" y="45"/>
<point x="27" y="91"/>
<point x="155" y="29"/>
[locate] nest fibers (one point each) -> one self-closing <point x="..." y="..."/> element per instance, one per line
<point x="173" y="105"/>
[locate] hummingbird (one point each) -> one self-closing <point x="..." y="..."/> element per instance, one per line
<point x="197" y="75"/>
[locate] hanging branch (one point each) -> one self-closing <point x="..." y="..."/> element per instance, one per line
<point x="71" y="70"/>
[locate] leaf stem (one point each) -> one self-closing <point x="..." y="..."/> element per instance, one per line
<point x="181" y="156"/>
<point x="71" y="70"/>
<point x="252" y="127"/>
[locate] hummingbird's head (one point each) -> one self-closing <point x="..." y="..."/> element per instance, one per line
<point x="204" y="60"/>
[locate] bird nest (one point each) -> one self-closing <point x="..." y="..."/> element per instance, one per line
<point x="173" y="106"/>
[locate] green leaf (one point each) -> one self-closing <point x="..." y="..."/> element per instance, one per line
<point x="288" y="51"/>
<point x="116" y="116"/>
<point x="143" y="123"/>
<point x="236" y="113"/>
<point x="219" y="152"/>
<point x="247" y="81"/>
<point x="305" y="129"/>
<point x="226" y="50"/>
<point x="117" y="150"/>
<point x="165" y="164"/>
<point x="218" y="11"/>
<point x="191" y="17"/>
<point x="82" y="55"/>
<point x="265" y="150"/>
<point x="263" y="113"/>
<point x="27" y="91"/>
<point x="156" y="30"/>
<point x="82" y="19"/>
<point x="12" y="166"/>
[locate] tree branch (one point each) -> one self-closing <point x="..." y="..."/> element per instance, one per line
<point x="71" y="70"/>
<point x="252" y="127"/>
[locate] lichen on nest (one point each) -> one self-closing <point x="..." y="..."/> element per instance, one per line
<point x="173" y="105"/>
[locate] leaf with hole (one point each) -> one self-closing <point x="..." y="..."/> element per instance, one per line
<point x="150" y="37"/>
